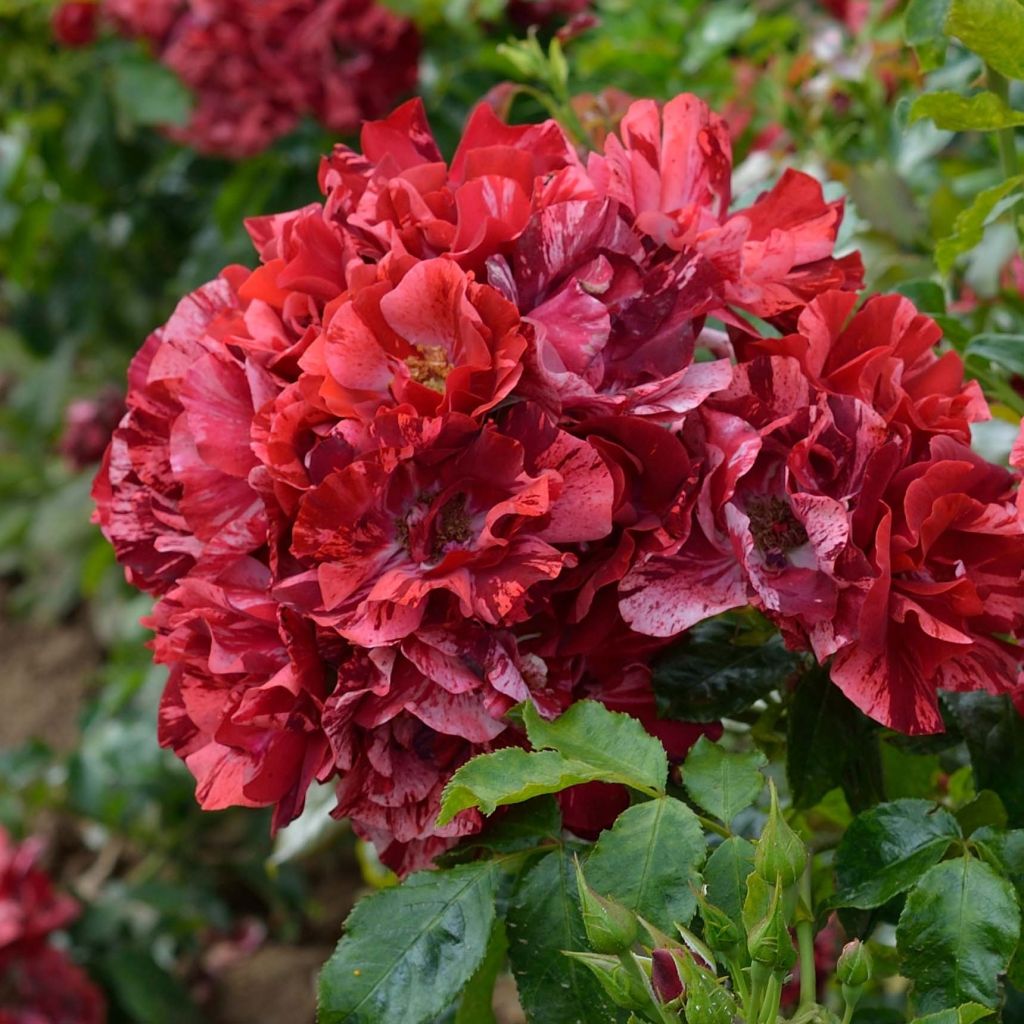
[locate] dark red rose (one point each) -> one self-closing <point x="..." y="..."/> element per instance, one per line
<point x="88" y="425"/>
<point x="38" y="984"/>
<point x="74" y="24"/>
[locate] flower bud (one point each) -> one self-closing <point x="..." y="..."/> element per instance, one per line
<point x="768" y="939"/>
<point x="623" y="988"/>
<point x="854" y="966"/>
<point x="721" y="932"/>
<point x="780" y="851"/>
<point x="665" y="978"/>
<point x="610" y="927"/>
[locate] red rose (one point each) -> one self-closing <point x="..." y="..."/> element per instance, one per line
<point x="401" y="475"/>
<point x="74" y="24"/>
<point x="38" y="984"/>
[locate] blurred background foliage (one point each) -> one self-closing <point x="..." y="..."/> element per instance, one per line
<point x="104" y="224"/>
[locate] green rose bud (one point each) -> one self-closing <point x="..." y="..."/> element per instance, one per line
<point x="854" y="966"/>
<point x="780" y="851"/>
<point x="611" y="928"/>
<point x="721" y="932"/>
<point x="624" y="988"/>
<point x="768" y="939"/>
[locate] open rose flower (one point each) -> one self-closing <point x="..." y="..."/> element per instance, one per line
<point x="672" y="169"/>
<point x="39" y="984"/>
<point x="444" y="450"/>
<point x="256" y="68"/>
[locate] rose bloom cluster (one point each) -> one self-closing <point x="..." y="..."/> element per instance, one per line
<point x="256" y="67"/>
<point x="38" y="983"/>
<point x="464" y="438"/>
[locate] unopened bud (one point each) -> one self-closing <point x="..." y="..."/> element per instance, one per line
<point x="721" y="932"/>
<point x="623" y="988"/>
<point x="854" y="966"/>
<point x="780" y="851"/>
<point x="665" y="978"/>
<point x="610" y="927"/>
<point x="768" y="939"/>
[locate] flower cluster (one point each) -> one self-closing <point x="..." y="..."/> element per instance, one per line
<point x="464" y="438"/>
<point x="256" y="67"/>
<point x="38" y="983"/>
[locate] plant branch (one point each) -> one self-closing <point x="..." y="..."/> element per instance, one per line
<point x="998" y="84"/>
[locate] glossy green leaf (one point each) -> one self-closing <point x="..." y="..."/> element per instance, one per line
<point x="614" y="744"/>
<point x="706" y="677"/>
<point x="830" y="743"/>
<point x="993" y="29"/>
<point x="966" y="1014"/>
<point x="1005" y="350"/>
<point x="924" y="27"/>
<point x="927" y="295"/>
<point x="407" y="952"/>
<point x="983" y="112"/>
<point x="957" y="933"/>
<point x="543" y="920"/>
<point x="985" y="810"/>
<point x="994" y="732"/>
<point x="726" y="874"/>
<point x="476" y="1005"/>
<point x="648" y="861"/>
<point x="885" y="850"/>
<point x="511" y="776"/>
<point x="970" y="224"/>
<point x="1004" y="851"/>
<point x="721" y="781"/>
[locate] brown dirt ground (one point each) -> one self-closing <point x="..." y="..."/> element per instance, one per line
<point x="44" y="674"/>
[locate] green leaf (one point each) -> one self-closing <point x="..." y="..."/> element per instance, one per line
<point x="522" y="827"/>
<point x="830" y="743"/>
<point x="147" y="93"/>
<point x="927" y="295"/>
<point x="477" y="1003"/>
<point x="994" y="732"/>
<point x="407" y="952"/>
<point x="147" y="991"/>
<point x="1004" y="851"/>
<point x="510" y="776"/>
<point x="884" y="851"/>
<point x="721" y="781"/>
<point x="924" y="26"/>
<point x="970" y="224"/>
<point x="966" y="1014"/>
<point x="957" y="934"/>
<point x="706" y="677"/>
<point x="648" y="860"/>
<point x="1005" y="350"/>
<point x="983" y="112"/>
<point x="726" y="874"/>
<point x="544" y="920"/>
<point x="614" y="744"/>
<point x="986" y="810"/>
<point x="993" y="29"/>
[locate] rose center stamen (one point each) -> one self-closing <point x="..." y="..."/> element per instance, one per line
<point x="774" y="527"/>
<point x="452" y="526"/>
<point x="429" y="366"/>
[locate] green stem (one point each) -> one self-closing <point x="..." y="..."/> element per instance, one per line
<point x="998" y="84"/>
<point x="805" y="940"/>
<point x="712" y="826"/>
<point x="848" y="1015"/>
<point x="772" y="999"/>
